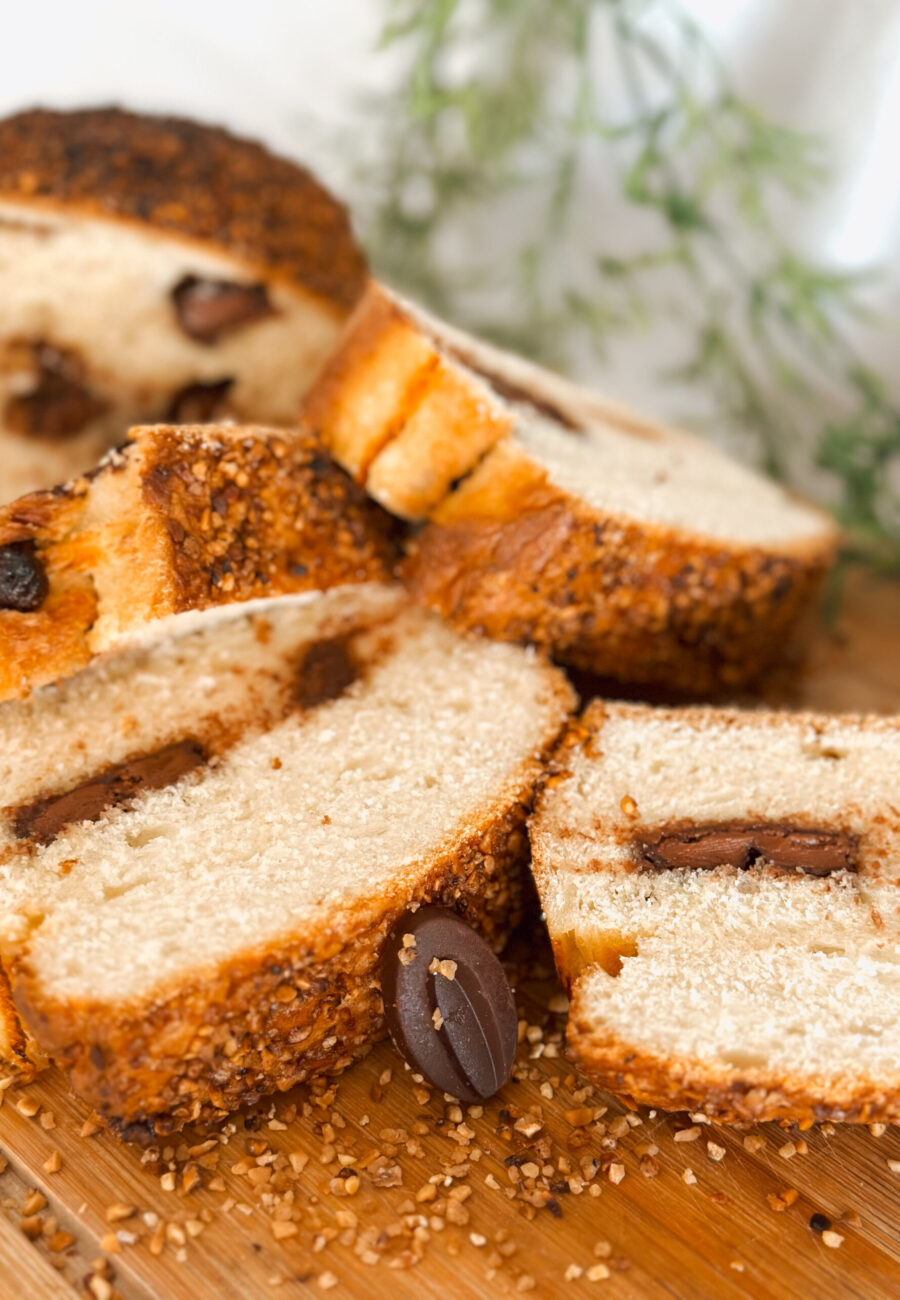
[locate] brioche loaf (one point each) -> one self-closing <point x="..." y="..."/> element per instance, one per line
<point x="206" y="839"/>
<point x="555" y="517"/>
<point x="177" y="519"/>
<point x="153" y="268"/>
<point x="723" y="894"/>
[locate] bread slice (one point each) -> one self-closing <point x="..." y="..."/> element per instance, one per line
<point x="556" y="517"/>
<point x="723" y="894"/>
<point x="179" y="518"/>
<point x="205" y="841"/>
<point x="155" y="269"/>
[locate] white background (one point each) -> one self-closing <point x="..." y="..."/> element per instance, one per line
<point x="290" y="71"/>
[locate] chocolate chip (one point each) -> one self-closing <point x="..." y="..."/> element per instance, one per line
<point x="199" y="403"/>
<point x="23" y="581"/>
<point x="447" y="1004"/>
<point x="42" y="820"/>
<point x="59" y="404"/>
<point x="734" y="844"/>
<point x="208" y="308"/>
<point x="820" y="1223"/>
<point x="326" y="671"/>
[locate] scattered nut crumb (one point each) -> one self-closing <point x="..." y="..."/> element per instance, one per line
<point x="116" y="1213"/>
<point x="281" y="1230"/>
<point x="34" y="1202"/>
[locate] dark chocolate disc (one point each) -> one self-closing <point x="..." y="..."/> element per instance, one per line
<point x="447" y="1004"/>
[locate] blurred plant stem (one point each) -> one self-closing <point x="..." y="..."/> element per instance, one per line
<point x="520" y="104"/>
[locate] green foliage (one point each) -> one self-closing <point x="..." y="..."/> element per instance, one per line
<point x="503" y="105"/>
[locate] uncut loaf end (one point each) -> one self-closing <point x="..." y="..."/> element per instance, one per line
<point x="154" y="268"/>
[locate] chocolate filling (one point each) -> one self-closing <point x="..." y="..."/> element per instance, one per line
<point x="199" y="403"/>
<point x="326" y="670"/>
<point x="735" y="844"/>
<point x="208" y="308"/>
<point x="514" y="392"/>
<point x="43" y="820"/>
<point x="59" y="405"/>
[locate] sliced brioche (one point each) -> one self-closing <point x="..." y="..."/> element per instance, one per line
<point x="623" y="547"/>
<point x="205" y="841"/>
<point x="723" y="894"/>
<point x="154" y="268"/>
<point x="180" y="518"/>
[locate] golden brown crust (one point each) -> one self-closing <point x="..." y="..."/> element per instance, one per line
<point x="267" y="1019"/>
<point x="13" y="1040"/>
<point x="51" y="642"/>
<point x="515" y="558"/>
<point x="261" y="514"/>
<point x="189" y="180"/>
<point x="724" y="1094"/>
<point x="183" y="518"/>
<point x="371" y="383"/>
<point x="398" y="412"/>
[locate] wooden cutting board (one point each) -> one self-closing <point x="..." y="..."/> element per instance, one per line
<point x="502" y="1215"/>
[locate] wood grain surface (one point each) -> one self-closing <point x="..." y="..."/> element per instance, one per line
<point x="520" y="1199"/>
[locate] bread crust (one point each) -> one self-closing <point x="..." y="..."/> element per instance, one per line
<point x="515" y="558"/>
<point x="274" y="1016"/>
<point x="179" y="519"/>
<point x="729" y="1096"/>
<point x="283" y="491"/>
<point x="397" y="413"/>
<point x="190" y="181"/>
<point x="13" y="1039"/>
<point x="371" y="381"/>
